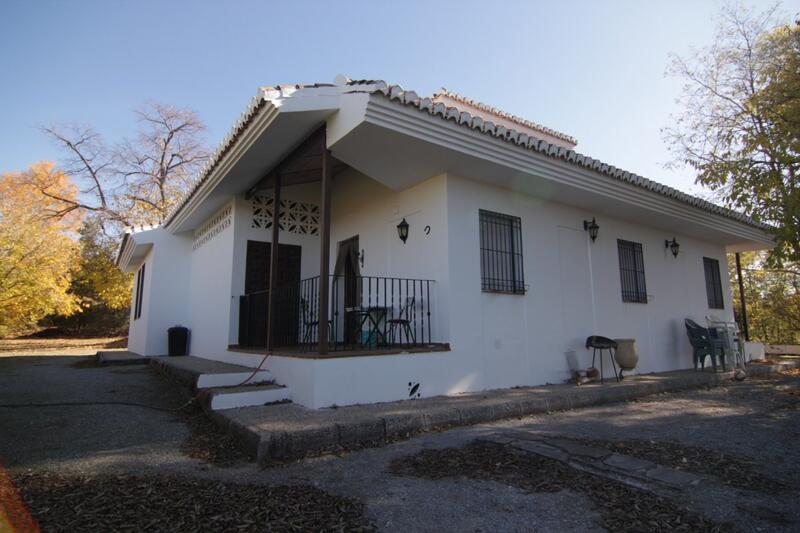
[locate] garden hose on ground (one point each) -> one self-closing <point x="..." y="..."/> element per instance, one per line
<point x="75" y="404"/>
<point x="256" y="370"/>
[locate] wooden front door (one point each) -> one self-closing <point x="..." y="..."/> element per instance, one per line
<point x="253" y="317"/>
<point x="348" y="273"/>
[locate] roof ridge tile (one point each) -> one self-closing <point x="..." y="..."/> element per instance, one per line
<point x="504" y="114"/>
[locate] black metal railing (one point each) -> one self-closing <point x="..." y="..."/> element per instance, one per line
<point x="366" y="313"/>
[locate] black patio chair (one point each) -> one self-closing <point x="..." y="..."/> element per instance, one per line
<point x="705" y="343"/>
<point x="403" y="322"/>
<point x="311" y="323"/>
<point x="597" y="342"/>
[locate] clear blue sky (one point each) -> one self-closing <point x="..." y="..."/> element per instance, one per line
<point x="592" y="69"/>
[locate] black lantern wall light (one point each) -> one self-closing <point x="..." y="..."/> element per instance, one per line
<point x="402" y="230"/>
<point x="592" y="228"/>
<point x="673" y="246"/>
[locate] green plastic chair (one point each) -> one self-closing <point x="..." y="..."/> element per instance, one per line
<point x="704" y="344"/>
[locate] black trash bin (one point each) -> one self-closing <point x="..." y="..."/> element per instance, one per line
<point x="178" y="340"/>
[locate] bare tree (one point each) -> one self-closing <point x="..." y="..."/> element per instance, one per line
<point x="139" y="180"/>
<point x="161" y="163"/>
<point x="90" y="163"/>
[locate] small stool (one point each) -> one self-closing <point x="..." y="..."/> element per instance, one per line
<point x="596" y="342"/>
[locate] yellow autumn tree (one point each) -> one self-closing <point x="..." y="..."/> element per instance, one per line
<point x="37" y="249"/>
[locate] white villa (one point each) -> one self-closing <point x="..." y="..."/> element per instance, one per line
<point x="425" y="246"/>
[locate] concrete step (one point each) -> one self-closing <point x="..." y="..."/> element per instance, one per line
<point x="246" y="396"/>
<point x="120" y="357"/>
<point x="197" y="373"/>
<point x="289" y="431"/>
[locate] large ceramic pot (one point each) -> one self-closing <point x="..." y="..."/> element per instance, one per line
<point x="625" y="354"/>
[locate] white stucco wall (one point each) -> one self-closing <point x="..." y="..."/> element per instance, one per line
<point x="165" y="295"/>
<point x="318" y="383"/>
<point x="503" y="340"/>
<point x="137" y="327"/>
<point x="362" y="206"/>
<point x="210" y="285"/>
<point x="497" y="340"/>
<point x="574" y="291"/>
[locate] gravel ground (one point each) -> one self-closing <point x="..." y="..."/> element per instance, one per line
<point x="731" y="469"/>
<point x="757" y="421"/>
<point x="755" y="424"/>
<point x="621" y="508"/>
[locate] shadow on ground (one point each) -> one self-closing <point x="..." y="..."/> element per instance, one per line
<point x="757" y="420"/>
<point x="83" y="419"/>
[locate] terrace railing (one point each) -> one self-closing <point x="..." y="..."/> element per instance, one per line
<point x="366" y="313"/>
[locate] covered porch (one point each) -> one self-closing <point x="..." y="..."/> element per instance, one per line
<point x="332" y="305"/>
<point x="367" y="314"/>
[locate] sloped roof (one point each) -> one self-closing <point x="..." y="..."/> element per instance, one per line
<point x="397" y="94"/>
<point x="264" y="95"/>
<point x="505" y="115"/>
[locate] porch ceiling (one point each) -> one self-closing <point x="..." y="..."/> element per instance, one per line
<point x="302" y="165"/>
<point x="268" y="143"/>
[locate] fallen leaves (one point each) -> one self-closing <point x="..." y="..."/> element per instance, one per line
<point x="61" y="502"/>
<point x="733" y="470"/>
<point x="207" y="441"/>
<point x="621" y="508"/>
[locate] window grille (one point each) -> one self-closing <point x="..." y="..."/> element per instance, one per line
<point x="137" y="305"/>
<point x="713" y="283"/>
<point x="631" y="272"/>
<point x="501" y="253"/>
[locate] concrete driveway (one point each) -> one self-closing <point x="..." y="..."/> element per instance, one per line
<point x="85" y="422"/>
<point x="755" y="425"/>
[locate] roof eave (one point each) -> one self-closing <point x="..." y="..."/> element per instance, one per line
<point x="420" y="119"/>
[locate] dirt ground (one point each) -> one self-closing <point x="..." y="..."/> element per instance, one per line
<point x="59" y="346"/>
<point x="101" y="448"/>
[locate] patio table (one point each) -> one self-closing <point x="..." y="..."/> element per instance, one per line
<point x="373" y="316"/>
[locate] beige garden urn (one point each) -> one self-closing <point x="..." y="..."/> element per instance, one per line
<point x="626" y="356"/>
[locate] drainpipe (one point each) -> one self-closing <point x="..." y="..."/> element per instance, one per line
<point x="745" y="328"/>
<point x="591" y="284"/>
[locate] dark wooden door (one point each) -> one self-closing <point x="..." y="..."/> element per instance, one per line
<point x="253" y="312"/>
<point x="256" y="277"/>
<point x="347" y="259"/>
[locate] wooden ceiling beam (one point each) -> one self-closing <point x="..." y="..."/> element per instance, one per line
<point x="314" y="143"/>
<point x="297" y="177"/>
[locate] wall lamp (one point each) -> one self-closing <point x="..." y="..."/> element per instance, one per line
<point x="673" y="246"/>
<point x="592" y="228"/>
<point x="402" y="230"/>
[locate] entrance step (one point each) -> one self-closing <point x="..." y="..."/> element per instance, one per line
<point x="197" y="373"/>
<point x="246" y="396"/>
<point x="120" y="357"/>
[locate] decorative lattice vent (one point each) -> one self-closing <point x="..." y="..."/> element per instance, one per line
<point x="212" y="227"/>
<point x="296" y="217"/>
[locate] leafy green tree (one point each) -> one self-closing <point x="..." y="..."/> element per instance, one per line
<point x="740" y="123"/>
